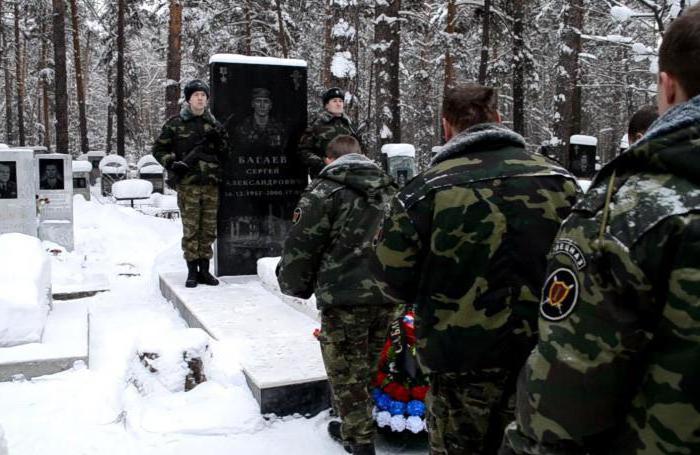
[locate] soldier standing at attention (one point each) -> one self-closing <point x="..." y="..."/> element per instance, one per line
<point x="192" y="147"/>
<point x="466" y="243"/>
<point x="327" y="252"/>
<point x="331" y="122"/>
<point x="617" y="366"/>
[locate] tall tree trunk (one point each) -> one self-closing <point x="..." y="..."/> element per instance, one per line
<point x="80" y="85"/>
<point x="485" y="42"/>
<point x="387" y="36"/>
<point x="45" y="85"/>
<point x="568" y="96"/>
<point x="110" y="110"/>
<point x="60" y="90"/>
<point x="8" y="78"/>
<point x="519" y="57"/>
<point x="449" y="31"/>
<point x="20" y="77"/>
<point x="172" y="73"/>
<point x="282" y="33"/>
<point x="121" y="6"/>
<point x="340" y="68"/>
<point x="248" y="41"/>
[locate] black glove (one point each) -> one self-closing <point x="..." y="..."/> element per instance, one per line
<point x="179" y="168"/>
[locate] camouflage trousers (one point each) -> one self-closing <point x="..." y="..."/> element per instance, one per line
<point x="198" y="207"/>
<point x="468" y="412"/>
<point x="351" y="340"/>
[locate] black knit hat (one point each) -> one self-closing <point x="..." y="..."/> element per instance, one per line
<point x="195" y="85"/>
<point x="331" y="93"/>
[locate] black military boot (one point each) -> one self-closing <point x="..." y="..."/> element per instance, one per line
<point x="191" y="281"/>
<point x="204" y="277"/>
<point x="362" y="449"/>
<point x="336" y="435"/>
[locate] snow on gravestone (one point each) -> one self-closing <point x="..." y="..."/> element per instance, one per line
<point x="25" y="289"/>
<point x="54" y="186"/>
<point x="81" y="178"/>
<point x="17" y="193"/>
<point x="149" y="169"/>
<point x="401" y="161"/>
<point x="265" y="99"/>
<point x="112" y="169"/>
<point x="132" y="189"/>
<point x="582" y="155"/>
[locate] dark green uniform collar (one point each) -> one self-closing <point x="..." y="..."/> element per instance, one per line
<point x="187" y="115"/>
<point x="478" y="138"/>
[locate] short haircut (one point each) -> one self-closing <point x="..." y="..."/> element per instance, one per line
<point x="642" y="120"/>
<point x="679" y="53"/>
<point x="342" y="145"/>
<point x="5" y="166"/>
<point x="466" y="105"/>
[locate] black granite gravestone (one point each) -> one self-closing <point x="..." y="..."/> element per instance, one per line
<point x="582" y="155"/>
<point x="263" y="101"/>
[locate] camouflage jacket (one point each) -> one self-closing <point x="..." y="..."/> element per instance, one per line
<point x="314" y="141"/>
<point x="329" y="247"/>
<point x="179" y="136"/>
<point x="617" y="366"/>
<point x="466" y="243"/>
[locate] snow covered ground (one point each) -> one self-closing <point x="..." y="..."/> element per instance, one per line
<point x="96" y="410"/>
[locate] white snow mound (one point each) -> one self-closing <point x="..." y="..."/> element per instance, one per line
<point x="133" y="188"/>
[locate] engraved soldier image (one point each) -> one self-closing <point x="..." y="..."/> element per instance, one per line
<point x="8" y="180"/>
<point x="51" y="172"/>
<point x="260" y="130"/>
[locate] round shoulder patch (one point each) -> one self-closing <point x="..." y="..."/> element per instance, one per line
<point x="296" y="216"/>
<point x="559" y="295"/>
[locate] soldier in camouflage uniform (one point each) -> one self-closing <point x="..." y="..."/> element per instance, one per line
<point x="617" y="366"/>
<point x="192" y="146"/>
<point x="331" y="122"/>
<point x="466" y="242"/>
<point x="327" y="253"/>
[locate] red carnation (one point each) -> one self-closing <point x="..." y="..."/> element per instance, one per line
<point x="317" y="332"/>
<point x="379" y="379"/>
<point x="397" y="391"/>
<point x="418" y="392"/>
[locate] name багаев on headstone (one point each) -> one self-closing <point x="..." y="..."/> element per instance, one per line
<point x="17" y="193"/>
<point x="264" y="101"/>
<point x="54" y="178"/>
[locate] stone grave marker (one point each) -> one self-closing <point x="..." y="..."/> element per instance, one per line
<point x="149" y="169"/>
<point x="112" y="168"/>
<point x="54" y="188"/>
<point x="265" y="100"/>
<point x="582" y="155"/>
<point x="17" y="193"/>
<point x="401" y="162"/>
<point x="81" y="178"/>
<point x="94" y="157"/>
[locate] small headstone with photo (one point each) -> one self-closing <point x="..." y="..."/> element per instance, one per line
<point x="54" y="188"/>
<point x="149" y="169"/>
<point x="582" y="155"/>
<point x="113" y="168"/>
<point x="401" y="162"/>
<point x="263" y="101"/>
<point x="17" y="193"/>
<point x="81" y="178"/>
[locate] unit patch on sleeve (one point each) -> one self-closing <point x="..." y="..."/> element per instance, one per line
<point x="559" y="295"/>
<point x="570" y="249"/>
<point x="296" y="216"/>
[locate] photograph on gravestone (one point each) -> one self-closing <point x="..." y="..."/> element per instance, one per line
<point x="79" y="182"/>
<point x="51" y="174"/>
<point x="264" y="101"/>
<point x="8" y="180"/>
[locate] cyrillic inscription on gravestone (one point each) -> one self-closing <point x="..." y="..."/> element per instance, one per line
<point x="54" y="179"/>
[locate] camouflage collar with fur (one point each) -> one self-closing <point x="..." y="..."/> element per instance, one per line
<point x="187" y="115"/>
<point x="485" y="136"/>
<point x="327" y="117"/>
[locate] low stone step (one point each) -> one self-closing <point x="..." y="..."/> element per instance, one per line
<point x="281" y="358"/>
<point x="65" y="341"/>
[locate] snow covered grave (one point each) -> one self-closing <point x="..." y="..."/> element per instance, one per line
<point x="149" y="169"/>
<point x="131" y="190"/>
<point x="281" y="358"/>
<point x="401" y="161"/>
<point x="81" y="178"/>
<point x="582" y="155"/>
<point x="94" y="157"/>
<point x="17" y="193"/>
<point x="112" y="169"/>
<point x="262" y="186"/>
<point x="54" y="187"/>
<point x="36" y="337"/>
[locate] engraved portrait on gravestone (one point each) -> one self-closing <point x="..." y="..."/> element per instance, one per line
<point x="8" y="180"/>
<point x="260" y="130"/>
<point x="51" y="175"/>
